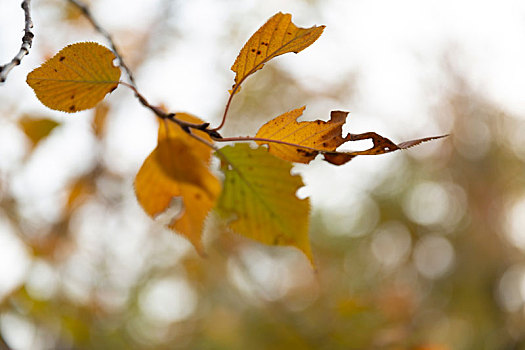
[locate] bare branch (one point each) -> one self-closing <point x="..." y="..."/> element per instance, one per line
<point x="186" y="126"/>
<point x="87" y="13"/>
<point x="27" y="41"/>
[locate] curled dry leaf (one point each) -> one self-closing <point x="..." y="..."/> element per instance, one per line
<point x="302" y="141"/>
<point x="76" y="78"/>
<point x="259" y="197"/>
<point x="176" y="174"/>
<point x="276" y="37"/>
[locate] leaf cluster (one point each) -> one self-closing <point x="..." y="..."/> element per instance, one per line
<point x="257" y="197"/>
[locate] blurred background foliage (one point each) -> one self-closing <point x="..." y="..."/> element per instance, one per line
<point x="428" y="255"/>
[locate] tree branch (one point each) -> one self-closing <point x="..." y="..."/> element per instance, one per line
<point x="87" y="13"/>
<point x="27" y="41"/>
<point x="186" y="126"/>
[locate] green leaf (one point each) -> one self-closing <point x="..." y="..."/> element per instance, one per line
<point x="259" y="197"/>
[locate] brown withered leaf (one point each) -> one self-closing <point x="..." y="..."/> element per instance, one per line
<point x="276" y="37"/>
<point x="302" y="141"/>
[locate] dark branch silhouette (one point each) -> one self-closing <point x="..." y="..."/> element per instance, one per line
<point x="27" y="41"/>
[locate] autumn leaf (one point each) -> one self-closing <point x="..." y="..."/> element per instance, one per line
<point x="276" y="37"/>
<point x="259" y="197"/>
<point x="37" y="129"/>
<point x="79" y="192"/>
<point x="175" y="181"/>
<point x="76" y="78"/>
<point x="314" y="137"/>
<point x="99" y="122"/>
<point x="302" y="141"/>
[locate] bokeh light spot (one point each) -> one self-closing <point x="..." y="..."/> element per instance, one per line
<point x="391" y="244"/>
<point x="168" y="300"/>
<point x="433" y="256"/>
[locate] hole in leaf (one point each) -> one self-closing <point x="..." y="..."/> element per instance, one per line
<point x="173" y="212"/>
<point x="359" y="145"/>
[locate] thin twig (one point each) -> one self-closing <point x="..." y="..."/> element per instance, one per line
<point x="27" y="42"/>
<point x="186" y="126"/>
<point x="85" y="10"/>
<point x="156" y="110"/>
<point x="206" y="142"/>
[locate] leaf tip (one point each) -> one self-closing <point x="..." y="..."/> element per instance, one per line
<point x="412" y="143"/>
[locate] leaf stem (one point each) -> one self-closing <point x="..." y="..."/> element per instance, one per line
<point x="233" y="92"/>
<point x="207" y="143"/>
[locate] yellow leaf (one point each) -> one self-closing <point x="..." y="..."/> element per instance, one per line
<point x="76" y="78"/>
<point x="172" y="131"/>
<point x="276" y="37"/>
<point x="37" y="129"/>
<point x="100" y="119"/>
<point x="313" y="136"/>
<point x="79" y="192"/>
<point x="175" y="181"/>
<point x="302" y="141"/>
<point x="259" y="197"/>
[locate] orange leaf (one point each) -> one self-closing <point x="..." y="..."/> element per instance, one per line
<point x="314" y="136"/>
<point x="276" y="37"/>
<point x="37" y="129"/>
<point x="79" y="192"/>
<point x="100" y="120"/>
<point x="172" y="131"/>
<point x="76" y="78"/>
<point x="175" y="183"/>
<point x="302" y="141"/>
